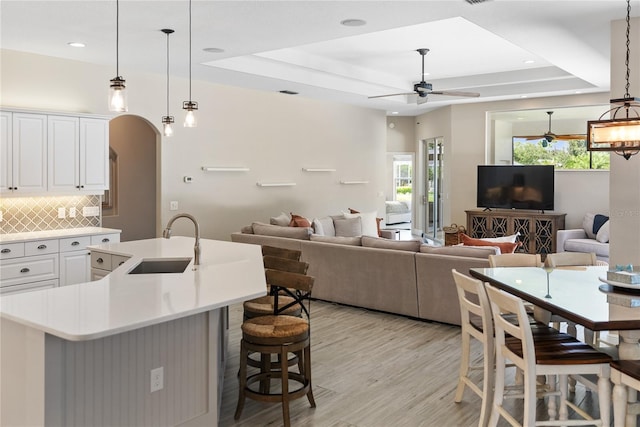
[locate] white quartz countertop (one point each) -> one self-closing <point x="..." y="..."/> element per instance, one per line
<point x="55" y="234"/>
<point x="228" y="273"/>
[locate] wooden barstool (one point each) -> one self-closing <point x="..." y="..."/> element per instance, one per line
<point x="281" y="335"/>
<point x="275" y="251"/>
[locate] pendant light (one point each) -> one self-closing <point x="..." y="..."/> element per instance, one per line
<point x="190" y="106"/>
<point x="167" y="121"/>
<point x="620" y="133"/>
<point x="117" y="92"/>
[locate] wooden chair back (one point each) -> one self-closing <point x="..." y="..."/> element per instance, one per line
<point x="295" y="285"/>
<point x="515" y="260"/>
<point x="564" y="259"/>
<point x="281" y="252"/>
<point x="285" y="264"/>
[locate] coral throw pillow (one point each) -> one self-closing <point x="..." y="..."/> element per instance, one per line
<point x="299" y="221"/>
<point x="505" y="247"/>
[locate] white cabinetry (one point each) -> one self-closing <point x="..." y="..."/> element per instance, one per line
<point x="103" y="263"/>
<point x="78" y="154"/>
<point x="45" y="263"/>
<point x="24" y="153"/>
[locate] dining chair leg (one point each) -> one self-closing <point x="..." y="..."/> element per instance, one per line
<point x="604" y="389"/>
<point x="563" y="384"/>
<point x="464" y="367"/>
<point x="488" y="384"/>
<point x="284" y="372"/>
<point x="498" y="393"/>
<point x="619" y="405"/>
<point x="530" y="397"/>
<point x="243" y="380"/>
<point x="552" y="405"/>
<point x="307" y="375"/>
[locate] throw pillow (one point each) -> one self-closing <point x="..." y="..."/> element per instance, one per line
<point x="282" y="220"/>
<point x="587" y="225"/>
<point x="302" y="233"/>
<point x="369" y="222"/>
<point x="378" y="221"/>
<point x="505" y="247"/>
<point x="598" y="221"/>
<point x="510" y="239"/>
<point x="324" y="226"/>
<point x="348" y="227"/>
<point x="603" y="233"/>
<point x="299" y="221"/>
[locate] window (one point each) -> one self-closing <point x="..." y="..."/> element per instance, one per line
<point x="402" y="173"/>
<point x="562" y="153"/>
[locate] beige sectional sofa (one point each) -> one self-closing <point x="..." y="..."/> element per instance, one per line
<point x="402" y="277"/>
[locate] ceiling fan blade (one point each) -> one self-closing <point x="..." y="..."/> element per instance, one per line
<point x="455" y="93"/>
<point x="528" y="137"/>
<point x="571" y="136"/>
<point x="392" y="94"/>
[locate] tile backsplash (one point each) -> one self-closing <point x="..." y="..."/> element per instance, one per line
<point x="21" y="214"/>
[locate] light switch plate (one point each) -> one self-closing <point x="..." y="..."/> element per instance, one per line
<point x="173" y="206"/>
<point x="72" y="212"/>
<point x="90" y="211"/>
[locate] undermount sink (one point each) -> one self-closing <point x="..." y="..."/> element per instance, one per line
<point x="153" y="266"/>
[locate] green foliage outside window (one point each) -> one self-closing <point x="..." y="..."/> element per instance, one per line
<point x="563" y="154"/>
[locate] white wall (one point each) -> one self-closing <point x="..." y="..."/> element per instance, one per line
<point x="275" y="135"/>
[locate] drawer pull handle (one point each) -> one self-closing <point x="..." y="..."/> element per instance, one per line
<point x="24" y="270"/>
<point x="99" y="260"/>
<point x="42" y="247"/>
<point x="5" y="251"/>
<point x="105" y="240"/>
<point x="75" y="243"/>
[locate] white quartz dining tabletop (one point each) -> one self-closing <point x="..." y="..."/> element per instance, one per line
<point x="228" y="273"/>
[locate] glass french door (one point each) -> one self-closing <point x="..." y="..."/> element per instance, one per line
<point x="432" y="199"/>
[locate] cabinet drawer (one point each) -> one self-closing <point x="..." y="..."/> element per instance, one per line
<point x="15" y="289"/>
<point x="29" y="269"/>
<point x="117" y="261"/>
<point x="101" y="260"/>
<point x="11" y="250"/>
<point x="74" y="243"/>
<point x="105" y="238"/>
<point x="41" y="247"/>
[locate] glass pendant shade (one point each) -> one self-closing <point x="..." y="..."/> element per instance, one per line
<point x="167" y="125"/>
<point x="117" y="95"/>
<point x="190" y="120"/>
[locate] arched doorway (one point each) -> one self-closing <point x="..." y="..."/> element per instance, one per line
<point x="131" y="203"/>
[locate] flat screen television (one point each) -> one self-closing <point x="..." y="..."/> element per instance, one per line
<point x="516" y="187"/>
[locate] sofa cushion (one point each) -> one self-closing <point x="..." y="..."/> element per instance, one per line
<point x="505" y="247"/>
<point x="587" y="245"/>
<point x="278" y="231"/>
<point x="348" y="227"/>
<point x="247" y="229"/>
<point x="587" y="225"/>
<point x="351" y="241"/>
<point x="299" y="221"/>
<point x="401" y="245"/>
<point x="282" y="220"/>
<point x="602" y="235"/>
<point x="461" y="250"/>
<point x="324" y="226"/>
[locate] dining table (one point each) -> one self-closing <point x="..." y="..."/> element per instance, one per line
<point x="581" y="294"/>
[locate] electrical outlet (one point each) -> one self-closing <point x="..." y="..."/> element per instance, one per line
<point x="72" y="212"/>
<point x="157" y="379"/>
<point x="0" y="216"/>
<point x="61" y="213"/>
<point x="173" y="206"/>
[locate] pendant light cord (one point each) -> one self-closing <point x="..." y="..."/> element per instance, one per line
<point x="168" y="73"/>
<point x="627" y="95"/>
<point x="190" y="50"/>
<point x="117" y="36"/>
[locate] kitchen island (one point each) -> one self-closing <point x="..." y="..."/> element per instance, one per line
<point x="90" y="354"/>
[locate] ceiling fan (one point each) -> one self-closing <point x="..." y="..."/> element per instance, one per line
<point x="423" y="89"/>
<point x="550" y="136"/>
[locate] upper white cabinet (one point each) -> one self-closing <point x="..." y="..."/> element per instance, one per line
<point x="53" y="154"/>
<point x="24" y="153"/>
<point x="78" y="154"/>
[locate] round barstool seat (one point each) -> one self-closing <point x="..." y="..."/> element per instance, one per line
<point x="281" y="335"/>
<point x="263" y="306"/>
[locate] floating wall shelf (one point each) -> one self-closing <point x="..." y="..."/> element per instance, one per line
<point x="353" y="182"/>
<point x="318" y="169"/>
<point x="275" y="184"/>
<point x="224" y="169"/>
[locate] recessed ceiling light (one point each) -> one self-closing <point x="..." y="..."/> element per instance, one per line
<point x="529" y="61"/>
<point x="394" y="112"/>
<point x="523" y="96"/>
<point x="578" y="92"/>
<point x="76" y="44"/>
<point x="213" y="50"/>
<point x="353" y="22"/>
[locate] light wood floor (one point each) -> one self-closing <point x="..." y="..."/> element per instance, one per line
<point x="372" y="369"/>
